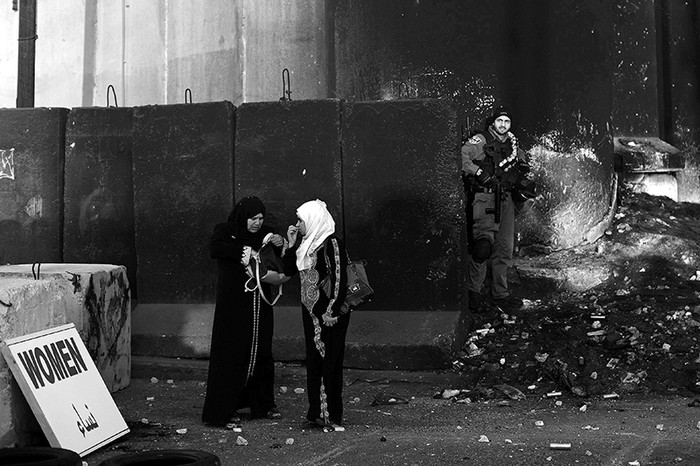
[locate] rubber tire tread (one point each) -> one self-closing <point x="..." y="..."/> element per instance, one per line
<point x="39" y="456"/>
<point x="164" y="457"/>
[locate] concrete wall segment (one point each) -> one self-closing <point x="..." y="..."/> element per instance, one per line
<point x="404" y="201"/>
<point x="183" y="185"/>
<point x="9" y="31"/>
<point x="635" y="96"/>
<point x="284" y="34"/>
<point x="60" y="54"/>
<point x="31" y="184"/>
<point x="288" y="153"/>
<point x="99" y="197"/>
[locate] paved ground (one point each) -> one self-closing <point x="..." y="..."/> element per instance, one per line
<point x="393" y="417"/>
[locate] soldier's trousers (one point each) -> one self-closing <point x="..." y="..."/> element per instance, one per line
<point x="502" y="237"/>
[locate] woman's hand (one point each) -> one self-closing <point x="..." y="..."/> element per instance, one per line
<point x="277" y="240"/>
<point x="274" y="278"/>
<point x="292" y="235"/>
<point x="329" y="321"/>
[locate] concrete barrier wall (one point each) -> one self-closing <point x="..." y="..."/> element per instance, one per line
<point x="388" y="172"/>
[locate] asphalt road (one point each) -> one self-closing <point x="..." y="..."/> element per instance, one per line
<point x="393" y="418"/>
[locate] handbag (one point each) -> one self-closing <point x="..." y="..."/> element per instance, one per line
<point x="359" y="290"/>
<point x="267" y="256"/>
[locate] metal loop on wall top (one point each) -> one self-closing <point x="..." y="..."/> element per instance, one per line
<point x="286" y="87"/>
<point x="36" y="273"/>
<point x="188" y="91"/>
<point x="113" y="93"/>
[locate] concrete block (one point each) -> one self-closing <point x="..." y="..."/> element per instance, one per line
<point x="31" y="184"/>
<point x="99" y="193"/>
<point x="288" y="153"/>
<point x="34" y="305"/>
<point x="94" y="297"/>
<point x="404" y="202"/>
<point x="183" y="186"/>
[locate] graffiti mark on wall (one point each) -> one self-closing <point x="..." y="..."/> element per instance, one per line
<point x="7" y="164"/>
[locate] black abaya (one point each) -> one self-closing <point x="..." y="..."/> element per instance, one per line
<point x="241" y="367"/>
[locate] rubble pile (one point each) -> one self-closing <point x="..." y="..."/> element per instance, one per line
<point x="637" y="332"/>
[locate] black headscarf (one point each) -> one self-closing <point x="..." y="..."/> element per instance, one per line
<point x="246" y="208"/>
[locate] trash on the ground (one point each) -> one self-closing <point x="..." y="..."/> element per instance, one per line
<point x="553" y="394"/>
<point x="339" y="428"/>
<point x="596" y="333"/>
<point x="560" y="446"/>
<point x="299" y="391"/>
<point x="539" y="423"/>
<point x="170" y="381"/>
<point x="596" y="324"/>
<point x="610" y="396"/>
<point x="450" y="393"/>
<point x="634" y="463"/>
<point x="182" y="431"/>
<point x="559" y="403"/>
<point x="589" y="453"/>
<point x="612" y="363"/>
<point x="583" y="408"/>
<point x="241" y="441"/>
<point x="590" y="427"/>
<point x="283" y="389"/>
<point x="144" y="420"/>
<point x="383" y="399"/>
<point x="659" y="427"/>
<point x="289" y="441"/>
<point x="541" y="357"/>
<point x="154" y="380"/>
<point x="594" y="375"/>
<point x="510" y="391"/>
<point x="484" y="439"/>
<point x="508" y="440"/>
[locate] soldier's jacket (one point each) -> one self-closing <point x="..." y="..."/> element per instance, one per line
<point x="485" y="152"/>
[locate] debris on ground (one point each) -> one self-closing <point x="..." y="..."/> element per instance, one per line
<point x="636" y="332"/>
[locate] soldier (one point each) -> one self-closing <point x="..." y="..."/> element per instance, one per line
<point x="496" y="176"/>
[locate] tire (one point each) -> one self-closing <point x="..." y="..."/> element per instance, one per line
<point x="164" y="458"/>
<point x="39" y="456"/>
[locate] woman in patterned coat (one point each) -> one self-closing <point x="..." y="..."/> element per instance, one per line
<point x="320" y="259"/>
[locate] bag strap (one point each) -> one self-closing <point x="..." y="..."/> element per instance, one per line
<point x="262" y="293"/>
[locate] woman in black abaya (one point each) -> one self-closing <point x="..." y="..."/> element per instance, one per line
<point x="241" y="368"/>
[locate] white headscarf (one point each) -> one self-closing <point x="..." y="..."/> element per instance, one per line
<point x="319" y="226"/>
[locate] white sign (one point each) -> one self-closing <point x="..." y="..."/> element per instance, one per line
<point x="64" y="389"/>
